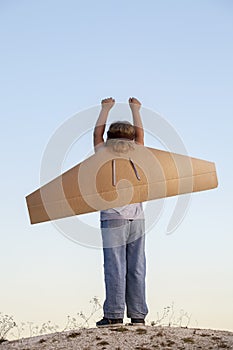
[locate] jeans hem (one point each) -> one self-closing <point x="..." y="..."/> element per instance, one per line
<point x="113" y="316"/>
<point x="133" y="315"/>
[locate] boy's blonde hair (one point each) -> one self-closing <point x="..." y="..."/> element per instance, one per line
<point x="121" y="130"/>
<point x="120" y="137"/>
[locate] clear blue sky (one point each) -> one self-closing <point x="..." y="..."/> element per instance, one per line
<point x="60" y="57"/>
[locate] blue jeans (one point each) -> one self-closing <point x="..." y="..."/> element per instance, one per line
<point x="124" y="268"/>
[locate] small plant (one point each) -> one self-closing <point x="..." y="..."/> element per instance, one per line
<point x="188" y="340"/>
<point x="119" y="329"/>
<point x="42" y="341"/>
<point x="73" y="334"/>
<point x="141" y="331"/>
<point x="29" y="329"/>
<point x="83" y="321"/>
<point x="47" y="327"/>
<point x="6" y="324"/>
<point x="223" y="345"/>
<point x="215" y="338"/>
<point x="169" y="318"/>
<point x="159" y="334"/>
<point x="170" y="342"/>
<point x="103" y="342"/>
<point x="163" y="344"/>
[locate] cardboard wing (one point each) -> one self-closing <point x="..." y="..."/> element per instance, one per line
<point x="108" y="179"/>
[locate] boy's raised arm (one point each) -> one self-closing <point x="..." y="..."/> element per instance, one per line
<point x="98" y="134"/>
<point x="135" y="106"/>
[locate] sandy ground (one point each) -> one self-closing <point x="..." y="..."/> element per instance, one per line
<point x="127" y="337"/>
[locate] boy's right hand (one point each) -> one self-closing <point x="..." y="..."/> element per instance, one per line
<point x="134" y="103"/>
<point x="107" y="103"/>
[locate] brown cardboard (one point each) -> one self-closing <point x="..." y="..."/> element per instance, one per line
<point x="108" y="179"/>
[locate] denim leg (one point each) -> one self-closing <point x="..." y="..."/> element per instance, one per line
<point x="114" y="267"/>
<point x="136" y="272"/>
<point x="124" y="268"/>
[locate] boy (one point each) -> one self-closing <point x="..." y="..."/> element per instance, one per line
<point x="124" y="263"/>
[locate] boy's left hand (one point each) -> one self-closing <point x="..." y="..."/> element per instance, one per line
<point x="107" y="103"/>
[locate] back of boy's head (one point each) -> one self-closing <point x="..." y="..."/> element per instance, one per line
<point x="121" y="130"/>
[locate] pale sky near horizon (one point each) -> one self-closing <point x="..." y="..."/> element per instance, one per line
<point x="62" y="57"/>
